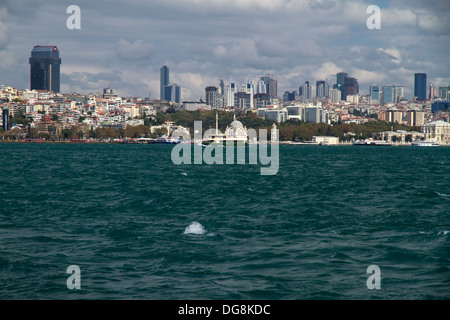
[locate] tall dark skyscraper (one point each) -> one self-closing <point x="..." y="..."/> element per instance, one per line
<point x="340" y="82"/>
<point x="164" y="81"/>
<point x="420" y="85"/>
<point x="351" y="87"/>
<point x="45" y="68"/>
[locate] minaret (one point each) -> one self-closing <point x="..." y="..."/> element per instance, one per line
<point x="274" y="134"/>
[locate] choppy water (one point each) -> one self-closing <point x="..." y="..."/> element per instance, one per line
<point x="140" y="227"/>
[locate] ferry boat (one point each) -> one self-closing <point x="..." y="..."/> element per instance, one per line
<point x="166" y="140"/>
<point x="426" y="143"/>
<point x="371" y="142"/>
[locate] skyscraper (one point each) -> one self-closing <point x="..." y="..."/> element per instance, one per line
<point x="420" y="86"/>
<point x="351" y="87"/>
<point x="306" y="90"/>
<point x="213" y="97"/>
<point x="5" y="115"/>
<point x="374" y="94"/>
<point x="322" y="90"/>
<point x="45" y="68"/>
<point x="271" y="86"/>
<point x="340" y="81"/>
<point x="164" y="81"/>
<point x="172" y="92"/>
<point x="388" y="95"/>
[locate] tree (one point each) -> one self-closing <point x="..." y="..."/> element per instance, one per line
<point x="67" y="133"/>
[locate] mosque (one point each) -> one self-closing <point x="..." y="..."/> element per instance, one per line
<point x="235" y="133"/>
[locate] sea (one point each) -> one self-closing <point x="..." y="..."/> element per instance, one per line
<point x="123" y="222"/>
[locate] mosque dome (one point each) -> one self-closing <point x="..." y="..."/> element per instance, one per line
<point x="236" y="123"/>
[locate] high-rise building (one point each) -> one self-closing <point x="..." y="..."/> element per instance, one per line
<point x="322" y="90"/>
<point x="374" y="94"/>
<point x="271" y="85"/>
<point x="388" y="95"/>
<point x="261" y="100"/>
<point x="5" y="119"/>
<point x="340" y="81"/>
<point x="415" y="117"/>
<point x="213" y="97"/>
<point x="433" y="92"/>
<point x="260" y="86"/>
<point x="399" y="93"/>
<point x="306" y="90"/>
<point x="443" y="92"/>
<point x="242" y="100"/>
<point x="164" y="81"/>
<point x="335" y="95"/>
<point x="351" y="87"/>
<point x="420" y="86"/>
<point x="45" y="68"/>
<point x="230" y="90"/>
<point x="172" y="92"/>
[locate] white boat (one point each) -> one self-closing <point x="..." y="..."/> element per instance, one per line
<point x="166" y="140"/>
<point x="426" y="143"/>
<point x="371" y="142"/>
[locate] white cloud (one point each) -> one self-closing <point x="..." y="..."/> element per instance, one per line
<point x="394" y="54"/>
<point x="328" y="70"/>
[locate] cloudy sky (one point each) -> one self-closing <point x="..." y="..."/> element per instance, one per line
<point x="125" y="42"/>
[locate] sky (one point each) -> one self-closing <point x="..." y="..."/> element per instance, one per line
<point x="124" y="43"/>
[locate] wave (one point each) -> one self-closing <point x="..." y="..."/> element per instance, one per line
<point x="195" y="228"/>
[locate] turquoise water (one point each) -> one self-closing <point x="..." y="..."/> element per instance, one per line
<point x="120" y="213"/>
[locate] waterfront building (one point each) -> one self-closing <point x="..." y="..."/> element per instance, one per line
<point x="438" y="131"/>
<point x="45" y="68"/>
<point x="420" y="86"/>
<point x="325" y="140"/>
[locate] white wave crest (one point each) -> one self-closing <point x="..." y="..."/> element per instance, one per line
<point x="195" y="228"/>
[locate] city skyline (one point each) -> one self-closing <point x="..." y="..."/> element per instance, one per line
<point x="126" y="43"/>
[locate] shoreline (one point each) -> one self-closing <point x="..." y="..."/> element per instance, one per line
<point x="284" y="143"/>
